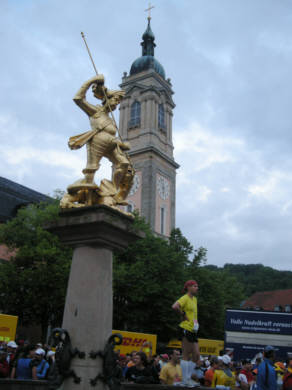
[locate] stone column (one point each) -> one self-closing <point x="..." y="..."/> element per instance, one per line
<point x="93" y="232"/>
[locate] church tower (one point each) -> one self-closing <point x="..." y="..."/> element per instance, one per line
<point x="146" y="122"/>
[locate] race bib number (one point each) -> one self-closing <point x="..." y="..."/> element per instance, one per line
<point x="196" y="326"/>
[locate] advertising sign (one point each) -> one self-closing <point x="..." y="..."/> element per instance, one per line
<point x="249" y="351"/>
<point x="133" y="341"/>
<point x="247" y="332"/>
<point x="258" y="322"/>
<point x="8" y="326"/>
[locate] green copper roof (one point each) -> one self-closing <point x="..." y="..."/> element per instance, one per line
<point x="147" y="60"/>
<point x="145" y="63"/>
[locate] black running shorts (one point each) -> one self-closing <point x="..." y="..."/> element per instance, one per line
<point x="190" y="336"/>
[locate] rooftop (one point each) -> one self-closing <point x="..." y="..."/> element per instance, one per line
<point x="269" y="300"/>
<point x="14" y="195"/>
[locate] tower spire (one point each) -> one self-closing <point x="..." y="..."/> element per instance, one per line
<point x="148" y="44"/>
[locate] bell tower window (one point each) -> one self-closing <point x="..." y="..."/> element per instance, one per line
<point x="161" y="117"/>
<point x="135" y="114"/>
<point x="162" y="220"/>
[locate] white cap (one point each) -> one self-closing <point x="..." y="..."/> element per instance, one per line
<point x="12" y="344"/>
<point x="226" y="359"/>
<point x="40" y="351"/>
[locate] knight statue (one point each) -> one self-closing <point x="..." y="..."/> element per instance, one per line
<point x="101" y="141"/>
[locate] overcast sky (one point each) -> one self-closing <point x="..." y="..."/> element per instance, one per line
<point x="230" y="62"/>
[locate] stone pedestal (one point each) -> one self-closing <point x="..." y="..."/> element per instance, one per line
<point x="93" y="232"/>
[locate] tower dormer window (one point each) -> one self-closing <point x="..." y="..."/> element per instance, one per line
<point x="135" y="114"/>
<point x="161" y="117"/>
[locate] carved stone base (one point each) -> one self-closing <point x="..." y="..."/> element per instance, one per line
<point x="93" y="232"/>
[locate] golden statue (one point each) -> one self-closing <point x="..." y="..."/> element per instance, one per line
<point x="101" y="141"/>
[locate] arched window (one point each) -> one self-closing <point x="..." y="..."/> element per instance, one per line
<point x="161" y="117"/>
<point x="135" y="114"/>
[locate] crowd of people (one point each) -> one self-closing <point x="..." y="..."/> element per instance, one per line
<point x="25" y="360"/>
<point x="180" y="368"/>
<point x="221" y="372"/>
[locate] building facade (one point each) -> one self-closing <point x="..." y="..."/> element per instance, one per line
<point x="146" y="115"/>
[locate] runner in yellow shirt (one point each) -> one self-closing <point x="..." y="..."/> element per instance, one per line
<point x="225" y="376"/>
<point x="171" y="372"/>
<point x="186" y="306"/>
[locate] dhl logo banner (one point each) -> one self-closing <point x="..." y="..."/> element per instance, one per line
<point x="133" y="341"/>
<point x="8" y="326"/>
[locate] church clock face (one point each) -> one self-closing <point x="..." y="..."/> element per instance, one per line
<point x="135" y="186"/>
<point x="163" y="187"/>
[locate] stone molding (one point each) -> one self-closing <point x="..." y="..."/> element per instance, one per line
<point x="98" y="226"/>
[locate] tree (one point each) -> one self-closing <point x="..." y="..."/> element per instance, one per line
<point x="33" y="283"/>
<point x="148" y="278"/>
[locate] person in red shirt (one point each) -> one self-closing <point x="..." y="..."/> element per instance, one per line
<point x="208" y="378"/>
<point x="4" y="366"/>
<point x="287" y="379"/>
<point x="245" y="377"/>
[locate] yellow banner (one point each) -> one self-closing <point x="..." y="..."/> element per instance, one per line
<point x="8" y="326"/>
<point x="133" y="341"/>
<point x="207" y="346"/>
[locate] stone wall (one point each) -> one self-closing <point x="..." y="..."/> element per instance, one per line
<point x="17" y="384"/>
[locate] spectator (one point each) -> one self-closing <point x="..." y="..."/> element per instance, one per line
<point x="224" y="377"/>
<point x="266" y="378"/>
<point x="4" y="366"/>
<point x="253" y="385"/>
<point x="131" y="362"/>
<point x="208" y="378"/>
<point x="259" y="359"/>
<point x="287" y="379"/>
<point x="198" y="373"/>
<point x="147" y="348"/>
<point x="163" y="360"/>
<point x="245" y="376"/>
<point x="280" y="369"/>
<point x="155" y="368"/>
<point x="123" y="364"/>
<point x="39" y="365"/>
<point x="11" y="352"/>
<point x="140" y="372"/>
<point x="171" y="372"/>
<point x="22" y="363"/>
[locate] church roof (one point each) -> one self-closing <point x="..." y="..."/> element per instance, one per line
<point x="14" y="195"/>
<point x="147" y="60"/>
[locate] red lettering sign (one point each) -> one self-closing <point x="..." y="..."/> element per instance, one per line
<point x="4" y="329"/>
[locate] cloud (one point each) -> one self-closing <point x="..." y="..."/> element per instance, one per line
<point x="230" y="65"/>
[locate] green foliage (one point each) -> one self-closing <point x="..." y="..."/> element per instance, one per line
<point x="257" y="277"/>
<point x="149" y="277"/>
<point x="33" y="283"/>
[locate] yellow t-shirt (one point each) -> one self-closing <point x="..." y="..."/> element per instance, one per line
<point x="190" y="307"/>
<point x="221" y="378"/>
<point x="171" y="374"/>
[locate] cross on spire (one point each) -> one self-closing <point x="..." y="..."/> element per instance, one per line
<point x="150" y="7"/>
